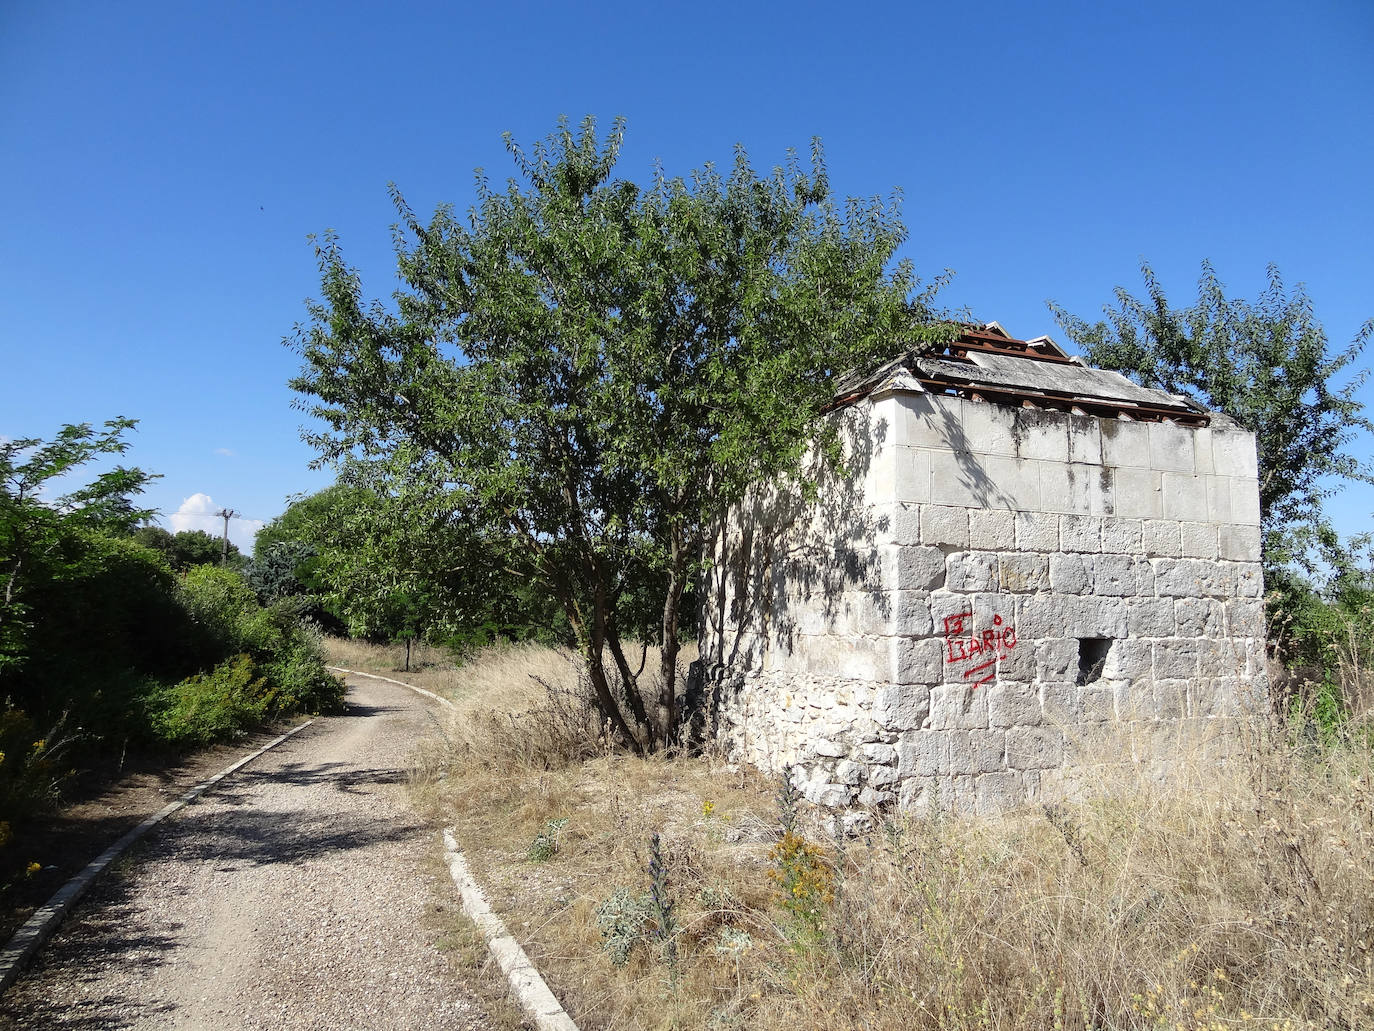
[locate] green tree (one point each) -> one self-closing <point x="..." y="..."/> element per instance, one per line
<point x="587" y="372"/>
<point x="40" y="536"/>
<point x="186" y="548"/>
<point x="1268" y="365"/>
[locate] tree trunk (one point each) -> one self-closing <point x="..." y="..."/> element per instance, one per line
<point x="667" y="688"/>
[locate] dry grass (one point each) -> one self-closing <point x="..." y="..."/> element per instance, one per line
<point x="1244" y="898"/>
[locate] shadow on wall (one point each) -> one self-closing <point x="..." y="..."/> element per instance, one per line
<point x="780" y="547"/>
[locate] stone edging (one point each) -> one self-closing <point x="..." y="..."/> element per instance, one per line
<point x="29" y="938"/>
<point x="528" y="987"/>
<point x="530" y="990"/>
<point x="373" y="676"/>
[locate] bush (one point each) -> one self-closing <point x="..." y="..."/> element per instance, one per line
<point x="214" y="706"/>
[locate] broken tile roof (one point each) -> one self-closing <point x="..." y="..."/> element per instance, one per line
<point x="985" y="363"/>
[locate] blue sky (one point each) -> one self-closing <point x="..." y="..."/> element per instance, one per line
<point x="163" y="164"/>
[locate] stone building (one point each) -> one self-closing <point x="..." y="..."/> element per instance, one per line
<point x="1029" y="562"/>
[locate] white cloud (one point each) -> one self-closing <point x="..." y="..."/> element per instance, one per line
<point x="198" y="513"/>
<point x="226" y="452"/>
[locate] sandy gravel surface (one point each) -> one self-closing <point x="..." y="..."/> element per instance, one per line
<point x="292" y="896"/>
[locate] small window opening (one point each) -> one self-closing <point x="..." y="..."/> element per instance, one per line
<point x="1092" y="658"/>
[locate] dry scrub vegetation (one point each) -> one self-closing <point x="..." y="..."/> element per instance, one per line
<point x="1242" y="898"/>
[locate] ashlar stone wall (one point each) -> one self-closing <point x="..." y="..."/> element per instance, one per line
<point x="992" y="597"/>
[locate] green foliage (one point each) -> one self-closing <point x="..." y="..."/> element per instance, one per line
<point x="230" y="620"/>
<point x="1268" y="365"/>
<point x="546" y="844"/>
<point x="214" y="706"/>
<point x="39" y="538"/>
<point x="585" y="372"/>
<point x="805" y="881"/>
<point x="186" y="548"/>
<point x="32" y="766"/>
<point x="624" y="921"/>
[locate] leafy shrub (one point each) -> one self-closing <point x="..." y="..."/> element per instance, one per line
<point x="216" y="705"/>
<point x="31" y="769"/>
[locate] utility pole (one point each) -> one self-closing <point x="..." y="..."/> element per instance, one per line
<point x="226" y="514"/>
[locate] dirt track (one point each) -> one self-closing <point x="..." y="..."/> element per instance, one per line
<point x="293" y="896"/>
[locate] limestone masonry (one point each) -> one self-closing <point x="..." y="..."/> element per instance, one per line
<point x="1034" y="568"/>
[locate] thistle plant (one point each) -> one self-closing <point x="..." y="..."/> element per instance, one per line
<point x="788" y="799"/>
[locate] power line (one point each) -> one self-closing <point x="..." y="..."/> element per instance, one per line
<point x="226" y="514"/>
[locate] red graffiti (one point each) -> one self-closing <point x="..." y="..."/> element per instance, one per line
<point x="984" y="649"/>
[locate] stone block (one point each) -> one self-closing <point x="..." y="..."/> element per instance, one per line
<point x="956" y="707"/>
<point x="878" y="754"/>
<point x="1218" y="499"/>
<point x="998" y="792"/>
<point x="1203" y="462"/>
<point x="1018" y="664"/>
<point x="881" y="776"/>
<point x="991" y="530"/>
<point x="976" y="751"/>
<point x="1170" y="699"/>
<point x="1066" y="488"/>
<point x="1037" y="531"/>
<point x="1098" y="703"/>
<point x="1060" y="704"/>
<point x="942" y="525"/>
<point x="922" y="420"/>
<point x="962" y="480"/>
<point x="1192" y="578"/>
<point x="1013" y="705"/>
<point x="1245" y="505"/>
<point x="1085" y="440"/>
<point x="1070" y="574"/>
<point x="1171" y="447"/>
<point x="1248" y="578"/>
<point x="912" y="476"/>
<point x="1245" y="618"/>
<point x="1175" y="660"/>
<point x="872" y="798"/>
<point x="1122" y="576"/>
<point x="1239" y="543"/>
<point x="1122" y="536"/>
<point x="1161" y="539"/>
<point x="1080" y="533"/>
<point x="910" y="615"/>
<point x="1199" y="540"/>
<point x="1040" y="436"/>
<point x="1200" y="617"/>
<point x="1049" y="615"/>
<point x="1021" y="574"/>
<point x="1233" y="453"/>
<point x="849" y="658"/>
<point x="1034" y="748"/>
<point x="1185" y="496"/>
<point x="1125" y="444"/>
<point x="916" y="568"/>
<point x="1128" y="660"/>
<point x="893" y="523"/>
<point x="922" y="753"/>
<point x="1056" y="659"/>
<point x="1136" y="495"/>
<point x="900" y="707"/>
<point x="972" y="571"/>
<point x="919" y="660"/>
<point x="1151" y="617"/>
<point x="849" y="773"/>
<point x="985" y="429"/>
<point x="1010" y="483"/>
<point x="1226" y="657"/>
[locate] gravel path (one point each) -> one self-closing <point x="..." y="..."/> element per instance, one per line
<point x="292" y="896"/>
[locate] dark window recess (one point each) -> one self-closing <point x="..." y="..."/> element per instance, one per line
<point x="1092" y="657"/>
